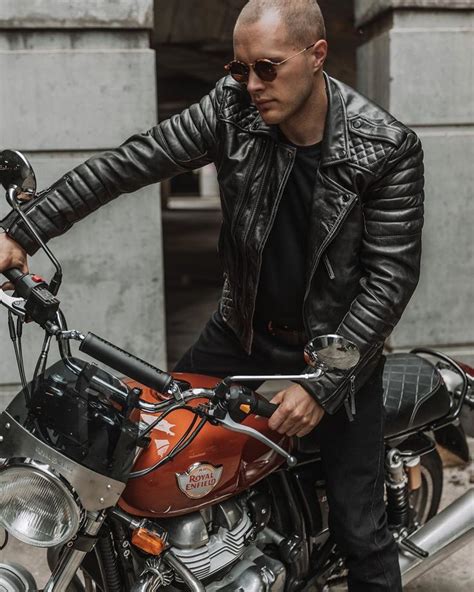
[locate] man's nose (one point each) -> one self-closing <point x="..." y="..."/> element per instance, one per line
<point x="255" y="84"/>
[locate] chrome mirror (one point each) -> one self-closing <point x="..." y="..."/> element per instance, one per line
<point x="332" y="351"/>
<point x="16" y="171"/>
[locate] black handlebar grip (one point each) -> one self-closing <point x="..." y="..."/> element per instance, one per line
<point x="126" y="363"/>
<point x="13" y="274"/>
<point x="264" y="408"/>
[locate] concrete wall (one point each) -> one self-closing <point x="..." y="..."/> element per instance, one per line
<point x="79" y="77"/>
<point x="417" y="62"/>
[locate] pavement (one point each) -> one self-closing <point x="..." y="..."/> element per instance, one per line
<point x="193" y="279"/>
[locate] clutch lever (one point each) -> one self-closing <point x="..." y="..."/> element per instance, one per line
<point x="230" y="424"/>
<point x="15" y="304"/>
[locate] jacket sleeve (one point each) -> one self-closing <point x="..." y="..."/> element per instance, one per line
<point x="184" y="142"/>
<point x="390" y="258"/>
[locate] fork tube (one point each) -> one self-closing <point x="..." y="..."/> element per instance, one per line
<point x="71" y="558"/>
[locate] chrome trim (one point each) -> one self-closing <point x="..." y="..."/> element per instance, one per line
<point x="95" y="491"/>
<point x="14" y="304"/>
<point x="312" y="376"/>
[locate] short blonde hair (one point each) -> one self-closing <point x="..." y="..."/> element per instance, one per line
<point x="303" y="18"/>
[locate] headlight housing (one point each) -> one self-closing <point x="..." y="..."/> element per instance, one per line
<point x="36" y="505"/>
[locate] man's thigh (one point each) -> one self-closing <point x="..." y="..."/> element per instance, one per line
<point x="217" y="352"/>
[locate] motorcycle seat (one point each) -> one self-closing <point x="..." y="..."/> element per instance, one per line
<point x="414" y="393"/>
<point x="414" y="396"/>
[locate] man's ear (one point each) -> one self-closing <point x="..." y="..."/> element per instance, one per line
<point x="319" y="52"/>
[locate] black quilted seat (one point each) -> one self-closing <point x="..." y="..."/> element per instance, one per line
<point x="414" y="393"/>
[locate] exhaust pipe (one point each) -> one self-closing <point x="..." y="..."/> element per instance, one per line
<point x="443" y="535"/>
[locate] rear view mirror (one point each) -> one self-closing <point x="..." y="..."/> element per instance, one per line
<point x="16" y="171"/>
<point x="332" y="351"/>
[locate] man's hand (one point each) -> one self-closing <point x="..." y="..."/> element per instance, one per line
<point x="11" y="255"/>
<point x="297" y="414"/>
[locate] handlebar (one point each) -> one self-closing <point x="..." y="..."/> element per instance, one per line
<point x="264" y="408"/>
<point x="241" y="401"/>
<point x="13" y="275"/>
<point x="40" y="304"/>
<point x="126" y="363"/>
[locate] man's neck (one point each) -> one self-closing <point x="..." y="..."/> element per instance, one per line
<point x="306" y="127"/>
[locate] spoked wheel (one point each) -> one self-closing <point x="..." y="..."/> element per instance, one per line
<point x="425" y="500"/>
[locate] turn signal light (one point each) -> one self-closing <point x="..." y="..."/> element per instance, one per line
<point x="148" y="541"/>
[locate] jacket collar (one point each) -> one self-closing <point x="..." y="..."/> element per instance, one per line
<point x="335" y="147"/>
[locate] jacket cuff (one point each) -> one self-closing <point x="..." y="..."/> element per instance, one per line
<point x="338" y="387"/>
<point x="15" y="228"/>
<point x="324" y="391"/>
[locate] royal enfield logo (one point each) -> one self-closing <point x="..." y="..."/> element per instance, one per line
<point x="199" y="480"/>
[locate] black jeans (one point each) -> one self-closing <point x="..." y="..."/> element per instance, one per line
<point x="352" y="452"/>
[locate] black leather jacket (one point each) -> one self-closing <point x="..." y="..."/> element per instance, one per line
<point x="365" y="233"/>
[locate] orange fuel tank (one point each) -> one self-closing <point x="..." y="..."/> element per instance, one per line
<point x="218" y="464"/>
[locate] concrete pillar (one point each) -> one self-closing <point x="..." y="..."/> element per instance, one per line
<point x="417" y="62"/>
<point x="78" y="77"/>
<point x="208" y="184"/>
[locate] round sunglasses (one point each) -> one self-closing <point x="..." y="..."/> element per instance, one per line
<point x="264" y="68"/>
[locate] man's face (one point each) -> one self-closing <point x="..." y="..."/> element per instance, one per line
<point x="281" y="99"/>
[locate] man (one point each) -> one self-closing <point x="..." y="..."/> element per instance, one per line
<point x="322" y="203"/>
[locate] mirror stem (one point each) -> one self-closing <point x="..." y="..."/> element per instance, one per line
<point x="58" y="276"/>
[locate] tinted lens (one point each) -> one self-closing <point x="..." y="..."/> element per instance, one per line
<point x="265" y="70"/>
<point x="238" y="71"/>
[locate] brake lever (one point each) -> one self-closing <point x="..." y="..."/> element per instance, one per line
<point x="242" y="429"/>
<point x="14" y="304"/>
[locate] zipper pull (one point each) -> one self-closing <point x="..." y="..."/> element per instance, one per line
<point x="352" y="395"/>
<point x="347" y="407"/>
<point x="329" y="268"/>
<point x="349" y="401"/>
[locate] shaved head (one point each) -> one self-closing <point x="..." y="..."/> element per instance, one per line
<point x="303" y="18"/>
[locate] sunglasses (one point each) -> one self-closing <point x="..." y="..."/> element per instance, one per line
<point x="264" y="68"/>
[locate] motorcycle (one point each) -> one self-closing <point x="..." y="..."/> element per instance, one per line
<point x="175" y="481"/>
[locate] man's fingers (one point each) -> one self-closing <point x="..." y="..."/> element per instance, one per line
<point x="7" y="286"/>
<point x="276" y="420"/>
<point x="278" y="398"/>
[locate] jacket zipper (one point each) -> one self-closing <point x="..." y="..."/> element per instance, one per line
<point x="349" y="399"/>
<point x="267" y="232"/>
<point x="252" y="217"/>
<point x="349" y="402"/>
<point x="240" y="205"/>
<point x="324" y="245"/>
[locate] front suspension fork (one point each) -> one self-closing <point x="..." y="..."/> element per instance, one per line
<point x="73" y="555"/>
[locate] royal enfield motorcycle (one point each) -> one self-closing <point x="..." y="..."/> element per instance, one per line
<point x="175" y="482"/>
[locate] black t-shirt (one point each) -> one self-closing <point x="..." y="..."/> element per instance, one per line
<point x="282" y="277"/>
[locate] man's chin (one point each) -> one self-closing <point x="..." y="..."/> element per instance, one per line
<point x="271" y="118"/>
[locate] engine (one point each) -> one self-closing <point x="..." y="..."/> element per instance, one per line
<point x="219" y="546"/>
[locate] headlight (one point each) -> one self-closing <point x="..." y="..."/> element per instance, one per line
<point x="36" y="506"/>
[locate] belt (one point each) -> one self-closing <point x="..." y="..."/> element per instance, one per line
<point x="286" y="334"/>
